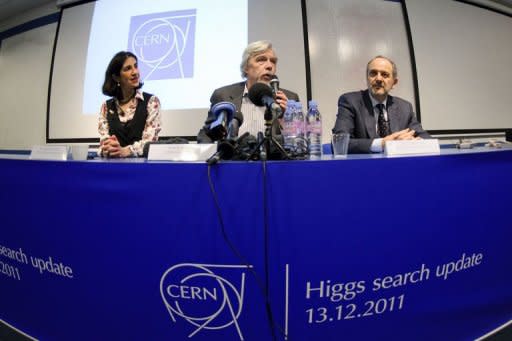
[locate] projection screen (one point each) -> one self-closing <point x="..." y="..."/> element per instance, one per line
<point x="209" y="37"/>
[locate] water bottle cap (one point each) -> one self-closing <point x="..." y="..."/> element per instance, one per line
<point x="313" y="103"/>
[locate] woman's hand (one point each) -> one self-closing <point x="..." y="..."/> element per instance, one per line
<point x="111" y="148"/>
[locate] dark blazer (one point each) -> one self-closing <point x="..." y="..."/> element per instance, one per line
<point x="356" y="117"/>
<point x="232" y="93"/>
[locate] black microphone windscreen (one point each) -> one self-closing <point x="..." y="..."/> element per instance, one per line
<point x="258" y="91"/>
<point x="226" y="149"/>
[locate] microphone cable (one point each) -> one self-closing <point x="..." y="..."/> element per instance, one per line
<point x="266" y="231"/>
<point x="223" y="228"/>
<point x="270" y="315"/>
<point x="263" y="287"/>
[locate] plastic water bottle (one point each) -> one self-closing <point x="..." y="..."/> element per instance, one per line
<point x="314" y="131"/>
<point x="301" y="145"/>
<point x="289" y="132"/>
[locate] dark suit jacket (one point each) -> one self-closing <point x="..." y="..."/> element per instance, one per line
<point x="356" y="117"/>
<point x="232" y="93"/>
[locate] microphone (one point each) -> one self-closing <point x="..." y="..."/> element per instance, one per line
<point x="234" y="125"/>
<point x="223" y="112"/>
<point x="226" y="150"/>
<point x="274" y="84"/>
<point x="261" y="142"/>
<point x="261" y="95"/>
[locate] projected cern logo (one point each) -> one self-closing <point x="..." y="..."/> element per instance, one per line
<point x="205" y="299"/>
<point x="164" y="44"/>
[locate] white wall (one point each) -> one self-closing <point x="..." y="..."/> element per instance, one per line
<point x="462" y="59"/>
<point x="23" y="116"/>
<point x="23" y="94"/>
<point x="343" y="37"/>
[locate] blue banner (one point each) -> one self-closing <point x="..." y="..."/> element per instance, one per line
<point x="356" y="249"/>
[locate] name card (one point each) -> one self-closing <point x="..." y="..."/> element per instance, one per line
<point x="412" y="147"/>
<point x="181" y="152"/>
<point x="49" y="153"/>
<point x="79" y="152"/>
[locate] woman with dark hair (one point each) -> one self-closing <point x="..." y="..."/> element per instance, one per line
<point x="131" y="118"/>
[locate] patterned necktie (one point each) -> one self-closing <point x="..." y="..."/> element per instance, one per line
<point x="382" y="124"/>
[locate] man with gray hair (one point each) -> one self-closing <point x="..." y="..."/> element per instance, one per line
<point x="372" y="116"/>
<point x="259" y="63"/>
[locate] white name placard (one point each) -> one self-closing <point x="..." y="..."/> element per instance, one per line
<point x="49" y="153"/>
<point x="181" y="152"/>
<point x="412" y="147"/>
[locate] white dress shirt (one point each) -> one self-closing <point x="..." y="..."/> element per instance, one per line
<point x="254" y="116"/>
<point x="376" y="146"/>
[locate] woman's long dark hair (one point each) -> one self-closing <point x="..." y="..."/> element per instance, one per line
<point x="110" y="87"/>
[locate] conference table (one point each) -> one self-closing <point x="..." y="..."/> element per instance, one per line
<point x="363" y="248"/>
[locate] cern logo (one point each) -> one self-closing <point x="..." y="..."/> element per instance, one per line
<point x="164" y="44"/>
<point x="207" y="296"/>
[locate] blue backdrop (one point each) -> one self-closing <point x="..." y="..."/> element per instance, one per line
<point x="364" y="248"/>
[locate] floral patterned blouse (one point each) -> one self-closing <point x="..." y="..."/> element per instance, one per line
<point x="153" y="121"/>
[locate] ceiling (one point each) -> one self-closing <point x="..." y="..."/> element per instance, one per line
<point x="504" y="2"/>
<point x="10" y="8"/>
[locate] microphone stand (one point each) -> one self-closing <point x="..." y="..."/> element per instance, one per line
<point x="229" y="149"/>
<point x="264" y="145"/>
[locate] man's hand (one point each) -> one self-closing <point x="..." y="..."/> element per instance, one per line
<point x="281" y="100"/>
<point x="406" y="134"/>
